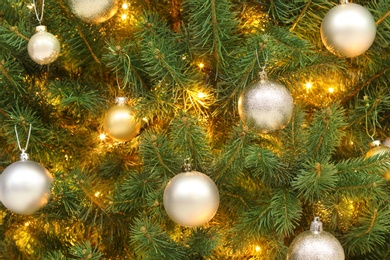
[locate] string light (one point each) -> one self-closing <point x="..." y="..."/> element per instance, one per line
<point x="125" y="6"/>
<point x="97" y="194"/>
<point x="201" y="95"/>
<point x="201" y="65"/>
<point x="257" y="249"/>
<point x="124" y="16"/>
<point x="330" y="90"/>
<point x="308" y="85"/>
<point x="102" y="137"/>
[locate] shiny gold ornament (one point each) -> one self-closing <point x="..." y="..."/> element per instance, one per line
<point x="120" y="123"/>
<point x="315" y="244"/>
<point x="94" y="11"/>
<point x="348" y="30"/>
<point x="265" y="105"/>
<point x="377" y="148"/>
<point x="191" y="199"/>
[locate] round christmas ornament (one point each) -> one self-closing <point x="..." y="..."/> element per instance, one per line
<point x="191" y="199"/>
<point x="94" y="11"/>
<point x="377" y="148"/>
<point x="265" y="105"/>
<point x="315" y="244"/>
<point x="348" y="30"/>
<point x="43" y="47"/>
<point x="25" y="185"/>
<point x="120" y="123"/>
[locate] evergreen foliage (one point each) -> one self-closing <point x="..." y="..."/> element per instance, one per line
<point x="107" y="197"/>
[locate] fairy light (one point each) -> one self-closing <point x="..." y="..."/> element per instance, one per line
<point x="27" y="223"/>
<point x="201" y="65"/>
<point x="102" y="137"/>
<point x="124" y="16"/>
<point x="330" y="90"/>
<point x="257" y="249"/>
<point x="97" y="194"/>
<point x="201" y="95"/>
<point x="308" y="85"/>
<point x="125" y="6"/>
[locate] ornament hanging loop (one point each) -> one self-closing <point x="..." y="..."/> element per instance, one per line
<point x="23" y="155"/>
<point x="262" y="73"/>
<point x="344" y="2"/>
<point x="39" y="17"/>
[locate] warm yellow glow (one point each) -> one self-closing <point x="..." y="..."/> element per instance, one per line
<point x="124" y="16"/>
<point x="30" y="6"/>
<point x="201" y="95"/>
<point x="125" y="6"/>
<point x="145" y="119"/>
<point x="308" y="85"/>
<point x="258" y="249"/>
<point x="97" y="194"/>
<point x="201" y="65"/>
<point x="27" y="223"/>
<point x="102" y="137"/>
<point x="331" y="90"/>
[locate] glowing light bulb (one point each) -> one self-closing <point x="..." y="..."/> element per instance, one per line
<point x="124" y="16"/>
<point x="308" y="85"/>
<point x="258" y="249"/>
<point x="27" y="223"/>
<point x="330" y="90"/>
<point x="125" y="6"/>
<point x="97" y="194"/>
<point x="201" y="95"/>
<point x="102" y="137"/>
<point x="201" y="65"/>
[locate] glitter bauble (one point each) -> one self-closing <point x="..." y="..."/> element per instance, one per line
<point x="377" y="148"/>
<point x="43" y="47"/>
<point x="315" y="244"/>
<point x="120" y="123"/>
<point x="266" y="106"/>
<point x="25" y="187"/>
<point x="191" y="199"/>
<point x="348" y="30"/>
<point x="94" y="11"/>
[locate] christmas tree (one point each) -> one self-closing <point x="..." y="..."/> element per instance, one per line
<point x="183" y="66"/>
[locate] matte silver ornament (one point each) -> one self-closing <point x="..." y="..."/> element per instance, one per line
<point x="43" y="47"/>
<point x="266" y="106"/>
<point x="315" y="244"/>
<point x="94" y="11"/>
<point x="25" y="187"/>
<point x="348" y="30"/>
<point x="191" y="199"/>
<point x="120" y="123"/>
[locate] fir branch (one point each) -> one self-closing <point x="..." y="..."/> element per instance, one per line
<point x="300" y="16"/>
<point x="79" y="31"/>
<point x="382" y="18"/>
<point x="359" y="87"/>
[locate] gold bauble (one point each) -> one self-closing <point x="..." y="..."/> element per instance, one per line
<point x="120" y="123"/>
<point x="379" y="149"/>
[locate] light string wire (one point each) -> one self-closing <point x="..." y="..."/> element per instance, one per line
<point x="374" y="120"/>
<point x="36" y="12"/>
<point x="28" y="139"/>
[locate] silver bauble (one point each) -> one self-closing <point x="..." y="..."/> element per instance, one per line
<point x="43" y="47"/>
<point x="315" y="244"/>
<point x="120" y="123"/>
<point x="266" y="106"/>
<point x="94" y="11"/>
<point x="191" y="199"/>
<point x="25" y="187"/>
<point x="348" y="30"/>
